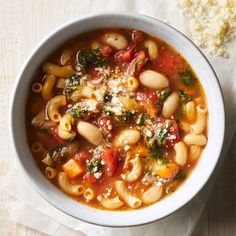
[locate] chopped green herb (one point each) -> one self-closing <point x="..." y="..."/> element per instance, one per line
<point x="161" y="136"/>
<point x="159" y="104"/>
<point x="163" y="94"/>
<point x="187" y="78"/>
<point x="94" y="166"/>
<point x="156" y="153"/>
<point x="128" y="116"/>
<point x="107" y="97"/>
<point x="92" y="57"/>
<point x="64" y="157"/>
<point x="163" y="160"/>
<point x="72" y="85"/>
<point x="78" y="112"/>
<point x="140" y="119"/>
<point x="184" y="97"/>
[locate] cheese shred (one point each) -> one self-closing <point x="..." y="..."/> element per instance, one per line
<point x="212" y="23"/>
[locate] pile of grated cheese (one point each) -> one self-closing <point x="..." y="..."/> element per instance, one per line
<point x="212" y="23"/>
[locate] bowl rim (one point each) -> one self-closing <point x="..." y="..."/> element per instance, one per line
<point x="145" y="19"/>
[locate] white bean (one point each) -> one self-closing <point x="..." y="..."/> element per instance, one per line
<point x="115" y="40"/>
<point x="153" y="80"/>
<point x="181" y="153"/>
<point x="127" y="137"/>
<point x="152" y="49"/>
<point x="90" y="132"/>
<point x="170" y="105"/>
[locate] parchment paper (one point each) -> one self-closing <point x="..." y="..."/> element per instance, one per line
<point x="28" y="208"/>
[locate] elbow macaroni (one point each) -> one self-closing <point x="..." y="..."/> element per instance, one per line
<point x="53" y="107"/>
<point x="66" y="186"/>
<point x="59" y="71"/>
<point x="201" y="120"/>
<point x="89" y="194"/>
<point x="136" y="170"/>
<point x="112" y="203"/>
<point x="50" y="81"/>
<point x="190" y="111"/>
<point x="131" y="200"/>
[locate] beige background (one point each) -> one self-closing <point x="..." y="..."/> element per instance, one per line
<point x="22" y="24"/>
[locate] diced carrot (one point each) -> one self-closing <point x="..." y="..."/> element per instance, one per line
<point x="72" y="168"/>
<point x="168" y="171"/>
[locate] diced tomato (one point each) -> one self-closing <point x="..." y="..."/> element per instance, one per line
<point x="137" y="64"/>
<point x="173" y="135"/>
<point x="148" y="98"/>
<point x="110" y="158"/>
<point x="106" y="51"/>
<point x="82" y="156"/>
<point x="54" y="132"/>
<point x="106" y="124"/>
<point x="169" y="63"/>
<point x="137" y="36"/>
<point x="93" y="73"/>
<point x="125" y="55"/>
<point x="152" y="95"/>
<point x="90" y="178"/>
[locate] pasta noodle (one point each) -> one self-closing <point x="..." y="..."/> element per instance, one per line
<point x="200" y="124"/>
<point x="131" y="200"/>
<point x="190" y="111"/>
<point x="50" y="172"/>
<point x="60" y="71"/>
<point x="112" y="203"/>
<point x="89" y="194"/>
<point x="37" y="87"/>
<point x="66" y="186"/>
<point x="48" y="85"/>
<point x="53" y="107"/>
<point x="136" y="170"/>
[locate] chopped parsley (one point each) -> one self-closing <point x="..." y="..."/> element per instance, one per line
<point x="107" y="97"/>
<point x="187" y="78"/>
<point x="73" y="84"/>
<point x="162" y="95"/>
<point x="163" y="160"/>
<point x="92" y="57"/>
<point x="161" y="136"/>
<point x="184" y="97"/>
<point x="94" y="166"/>
<point x="156" y="153"/>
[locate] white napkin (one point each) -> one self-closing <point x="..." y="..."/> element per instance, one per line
<point x="28" y="208"/>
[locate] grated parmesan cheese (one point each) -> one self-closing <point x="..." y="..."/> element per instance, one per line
<point x="212" y="23"/>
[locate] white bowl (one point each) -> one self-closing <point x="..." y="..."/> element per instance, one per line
<point x="192" y="184"/>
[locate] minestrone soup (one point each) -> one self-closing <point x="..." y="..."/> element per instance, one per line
<point x="116" y="119"/>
